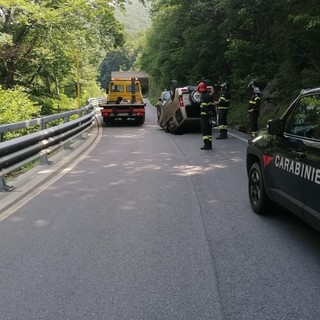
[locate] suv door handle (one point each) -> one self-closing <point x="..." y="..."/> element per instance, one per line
<point x="299" y="155"/>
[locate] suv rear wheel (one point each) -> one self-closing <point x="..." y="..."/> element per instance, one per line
<point x="260" y="202"/>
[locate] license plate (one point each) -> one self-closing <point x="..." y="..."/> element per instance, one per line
<point x="122" y="114"/>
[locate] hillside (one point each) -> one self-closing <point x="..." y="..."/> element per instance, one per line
<point x="136" y="17"/>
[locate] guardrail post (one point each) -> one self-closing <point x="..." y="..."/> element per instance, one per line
<point x="67" y="146"/>
<point x="43" y="158"/>
<point x="4" y="186"/>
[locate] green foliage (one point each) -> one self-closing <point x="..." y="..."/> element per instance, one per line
<point x="16" y="106"/>
<point x="234" y="40"/>
<point x="135" y="16"/>
<point x="50" y="46"/>
<point x="115" y="60"/>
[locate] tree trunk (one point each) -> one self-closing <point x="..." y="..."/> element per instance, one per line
<point x="10" y="70"/>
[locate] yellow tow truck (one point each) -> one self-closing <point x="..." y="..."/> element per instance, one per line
<point x="124" y="101"/>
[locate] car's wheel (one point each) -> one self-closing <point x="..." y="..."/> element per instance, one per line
<point x="259" y="200"/>
<point x="195" y="97"/>
<point x="166" y="128"/>
<point x="169" y="126"/>
<point x="158" y="113"/>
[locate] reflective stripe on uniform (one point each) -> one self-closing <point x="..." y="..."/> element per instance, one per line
<point x="204" y="108"/>
<point x="222" y="98"/>
<point x="207" y="138"/>
<point x="254" y="101"/>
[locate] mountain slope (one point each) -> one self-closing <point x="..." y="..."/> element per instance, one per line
<point x="136" y="17"/>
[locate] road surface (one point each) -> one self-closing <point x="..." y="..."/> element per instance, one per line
<point x="143" y="225"/>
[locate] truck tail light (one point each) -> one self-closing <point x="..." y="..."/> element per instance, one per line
<point x="105" y="114"/>
<point x="139" y="114"/>
<point x="181" y="101"/>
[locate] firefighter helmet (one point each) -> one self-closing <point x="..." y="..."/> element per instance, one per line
<point x="202" y="87"/>
<point x="252" y="84"/>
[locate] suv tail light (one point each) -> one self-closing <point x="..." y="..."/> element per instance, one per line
<point x="181" y="101"/>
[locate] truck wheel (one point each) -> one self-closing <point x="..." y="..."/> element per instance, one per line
<point x="139" y="121"/>
<point x="259" y="200"/>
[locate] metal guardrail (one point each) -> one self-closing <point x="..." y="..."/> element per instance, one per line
<point x="19" y="151"/>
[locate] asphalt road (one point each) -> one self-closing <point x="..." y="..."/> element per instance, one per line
<point x="143" y="225"/>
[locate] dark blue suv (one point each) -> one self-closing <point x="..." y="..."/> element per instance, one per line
<point x="283" y="163"/>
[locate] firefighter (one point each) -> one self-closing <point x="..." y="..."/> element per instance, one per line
<point x="211" y="88"/>
<point x="206" y="105"/>
<point x="254" y="106"/>
<point x="223" y="104"/>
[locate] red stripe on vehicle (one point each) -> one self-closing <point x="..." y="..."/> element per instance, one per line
<point x="266" y="160"/>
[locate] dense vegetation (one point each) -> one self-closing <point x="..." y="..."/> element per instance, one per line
<point x="235" y="40"/>
<point x="51" y="49"/>
<point x="273" y="41"/>
<point x="135" y="17"/>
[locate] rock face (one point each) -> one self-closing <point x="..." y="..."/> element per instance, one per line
<point x="269" y="96"/>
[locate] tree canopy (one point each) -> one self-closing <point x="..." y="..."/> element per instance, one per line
<point x="234" y="40"/>
<point x="48" y="46"/>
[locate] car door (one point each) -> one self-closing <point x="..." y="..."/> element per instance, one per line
<point x="303" y="135"/>
<point x="285" y="186"/>
<point x="312" y="184"/>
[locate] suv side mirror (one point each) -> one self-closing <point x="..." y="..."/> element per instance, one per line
<point x="275" y="127"/>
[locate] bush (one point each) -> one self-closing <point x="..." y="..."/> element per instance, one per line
<point x="16" y="106"/>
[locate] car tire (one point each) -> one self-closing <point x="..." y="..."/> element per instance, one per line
<point x="194" y="98"/>
<point x="166" y="128"/>
<point x="159" y="110"/>
<point x="259" y="200"/>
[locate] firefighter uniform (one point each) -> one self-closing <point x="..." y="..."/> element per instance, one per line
<point x="223" y="108"/>
<point x="206" y="106"/>
<point x="253" y="108"/>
